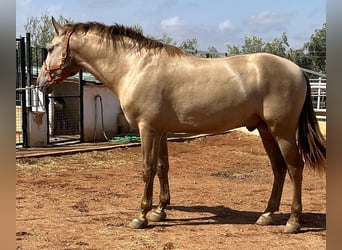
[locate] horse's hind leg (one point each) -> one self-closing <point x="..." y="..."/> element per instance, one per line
<point x="284" y="135"/>
<point x="162" y="170"/>
<point x="279" y="172"/>
<point x="295" y="165"/>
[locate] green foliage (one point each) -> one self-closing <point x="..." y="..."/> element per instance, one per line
<point x="213" y="53"/>
<point x="189" y="44"/>
<point x="41" y="29"/>
<point x="311" y="56"/>
<point x="316" y="49"/>
<point x="278" y="46"/>
<point x="212" y="49"/>
<point x="255" y="44"/>
<point x="167" y="40"/>
<point x="233" y="50"/>
<point x="300" y="58"/>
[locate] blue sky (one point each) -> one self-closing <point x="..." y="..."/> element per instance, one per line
<point x="212" y="23"/>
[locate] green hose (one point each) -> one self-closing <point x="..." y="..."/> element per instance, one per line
<point x="126" y="138"/>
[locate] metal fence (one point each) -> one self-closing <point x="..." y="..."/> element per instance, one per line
<point x="64" y="112"/>
<point x="319" y="96"/>
<point x="63" y="106"/>
<point x="21" y="127"/>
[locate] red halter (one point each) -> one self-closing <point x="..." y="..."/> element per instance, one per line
<point x="64" y="73"/>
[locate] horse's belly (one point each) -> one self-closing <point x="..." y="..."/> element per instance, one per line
<point x="210" y="121"/>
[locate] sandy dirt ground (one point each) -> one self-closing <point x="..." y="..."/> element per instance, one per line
<point x="219" y="187"/>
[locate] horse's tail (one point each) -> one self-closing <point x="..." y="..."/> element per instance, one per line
<point x="311" y="142"/>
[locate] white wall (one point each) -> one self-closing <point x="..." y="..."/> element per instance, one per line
<point x="92" y="112"/>
<point x="37" y="128"/>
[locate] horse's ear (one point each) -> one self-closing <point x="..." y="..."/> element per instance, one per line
<point x="58" y="28"/>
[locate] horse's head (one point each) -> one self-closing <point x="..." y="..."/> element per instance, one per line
<point x="59" y="63"/>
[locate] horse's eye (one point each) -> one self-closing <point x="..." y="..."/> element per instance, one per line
<point x="50" y="49"/>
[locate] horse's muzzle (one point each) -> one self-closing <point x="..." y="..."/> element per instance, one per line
<point x="42" y="82"/>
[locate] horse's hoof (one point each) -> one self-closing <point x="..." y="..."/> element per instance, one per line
<point x="138" y="224"/>
<point x="292" y="228"/>
<point x="157" y="216"/>
<point x="264" y="220"/>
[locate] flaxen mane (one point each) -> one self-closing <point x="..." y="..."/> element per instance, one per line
<point x="117" y="32"/>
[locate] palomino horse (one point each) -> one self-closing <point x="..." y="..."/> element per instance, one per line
<point x="163" y="89"/>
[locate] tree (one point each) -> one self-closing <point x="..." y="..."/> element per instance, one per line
<point x="311" y="56"/>
<point x="213" y="53"/>
<point x="278" y="46"/>
<point x="253" y="44"/>
<point x="189" y="44"/>
<point x="41" y="29"/>
<point x="299" y="57"/>
<point x="316" y="49"/>
<point x="256" y="44"/>
<point x="233" y="50"/>
<point x="212" y="49"/>
<point x="167" y="40"/>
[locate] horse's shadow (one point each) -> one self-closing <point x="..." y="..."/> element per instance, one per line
<point x="223" y="215"/>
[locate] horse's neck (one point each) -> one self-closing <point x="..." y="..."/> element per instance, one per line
<point x="107" y="63"/>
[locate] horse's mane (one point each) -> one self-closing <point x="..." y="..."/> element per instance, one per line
<point x="117" y="32"/>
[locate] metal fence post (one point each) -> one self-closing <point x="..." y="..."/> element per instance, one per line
<point x="23" y="85"/>
<point x="29" y="59"/>
<point x="319" y="93"/>
<point x="81" y="81"/>
<point x="28" y="70"/>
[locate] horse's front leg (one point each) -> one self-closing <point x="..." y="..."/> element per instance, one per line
<point x="150" y="143"/>
<point x="162" y="170"/>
